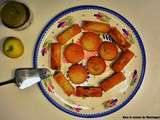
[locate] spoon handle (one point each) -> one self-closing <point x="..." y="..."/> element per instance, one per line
<point x="7" y="82"/>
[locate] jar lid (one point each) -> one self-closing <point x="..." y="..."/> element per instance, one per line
<point x="14" y="14"/>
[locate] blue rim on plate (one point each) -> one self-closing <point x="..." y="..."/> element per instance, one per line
<point x="140" y="44"/>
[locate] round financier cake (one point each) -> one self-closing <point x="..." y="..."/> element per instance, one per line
<point x="73" y="53"/>
<point x="108" y="51"/>
<point x="90" y="41"/>
<point x="96" y="65"/>
<point x="77" y="74"/>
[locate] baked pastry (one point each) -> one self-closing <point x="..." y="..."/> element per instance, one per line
<point x="65" y="36"/>
<point x="82" y="91"/>
<point x="64" y="84"/>
<point x="90" y="41"/>
<point x="77" y="74"/>
<point x="119" y="38"/>
<point x="73" y="53"/>
<point x="96" y="65"/>
<point x="108" y="51"/>
<point x="55" y="56"/>
<point x="112" y="81"/>
<point x="95" y="26"/>
<point x="122" y="61"/>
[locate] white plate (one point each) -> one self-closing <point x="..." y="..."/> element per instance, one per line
<point x="111" y="100"/>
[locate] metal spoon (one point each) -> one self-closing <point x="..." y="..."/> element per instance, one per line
<point x="26" y="77"/>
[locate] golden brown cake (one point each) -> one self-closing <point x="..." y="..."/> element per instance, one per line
<point x="82" y="91"/>
<point x="68" y="34"/>
<point x="55" y="56"/>
<point x="108" y="51"/>
<point x="95" y="26"/>
<point x="73" y="53"/>
<point x="90" y="41"/>
<point x="122" y="61"/>
<point x="64" y="84"/>
<point x="96" y="65"/>
<point x="112" y="81"/>
<point x="77" y="74"/>
<point x="119" y="38"/>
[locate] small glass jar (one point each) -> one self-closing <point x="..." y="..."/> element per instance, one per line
<point x="15" y="15"/>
